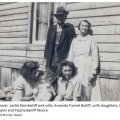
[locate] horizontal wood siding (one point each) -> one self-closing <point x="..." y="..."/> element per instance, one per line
<point x="5" y="77"/>
<point x="15" y="46"/>
<point x="14" y="20"/>
<point x="105" y="20"/>
<point x="90" y="5"/>
<point x="109" y="89"/>
<point x="36" y="53"/>
<point x="14" y="24"/>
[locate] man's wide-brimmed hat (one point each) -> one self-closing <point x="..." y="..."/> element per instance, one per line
<point x="60" y="11"/>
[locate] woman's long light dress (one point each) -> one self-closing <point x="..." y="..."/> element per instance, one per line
<point x="84" y="54"/>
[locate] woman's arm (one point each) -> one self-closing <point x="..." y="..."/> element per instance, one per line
<point x="95" y="59"/>
<point x="27" y="98"/>
<point x="8" y="89"/>
<point x="76" y="99"/>
<point x="58" y="98"/>
<point x="18" y="95"/>
<point x="70" y="54"/>
<point x="77" y="90"/>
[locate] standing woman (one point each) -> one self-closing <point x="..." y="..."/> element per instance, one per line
<point x="84" y="54"/>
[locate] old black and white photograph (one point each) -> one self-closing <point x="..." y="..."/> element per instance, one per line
<point x="59" y="51"/>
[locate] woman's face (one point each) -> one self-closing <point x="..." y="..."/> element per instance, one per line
<point x="84" y="28"/>
<point x="67" y="72"/>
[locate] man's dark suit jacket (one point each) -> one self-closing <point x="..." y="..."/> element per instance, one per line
<point x="67" y="35"/>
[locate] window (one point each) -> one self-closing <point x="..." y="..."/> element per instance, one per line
<point x="42" y="18"/>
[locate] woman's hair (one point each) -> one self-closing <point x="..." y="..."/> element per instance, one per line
<point x="28" y="68"/>
<point x="90" y="32"/>
<point x="67" y="63"/>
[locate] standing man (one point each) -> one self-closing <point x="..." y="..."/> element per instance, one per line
<point x="59" y="39"/>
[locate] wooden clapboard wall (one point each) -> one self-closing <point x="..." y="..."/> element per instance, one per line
<point x="35" y="51"/>
<point x="13" y="32"/>
<point x="105" y="20"/>
<point x="14" y="38"/>
<point x="16" y="46"/>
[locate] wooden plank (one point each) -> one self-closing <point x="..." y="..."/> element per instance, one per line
<point x="104" y="30"/>
<point x="90" y="5"/>
<point x="14" y="35"/>
<point x="13" y="40"/>
<point x="40" y="61"/>
<point x="110" y="66"/>
<point x="119" y="90"/>
<point x="94" y="13"/>
<point x="10" y="65"/>
<point x="109" y="47"/>
<point x="14" y="5"/>
<point x="110" y="57"/>
<point x="13" y="46"/>
<point x="14" y="11"/>
<point x="4" y="3"/>
<point x="109" y="89"/>
<point x="14" y="17"/>
<point x="110" y="74"/>
<point x="21" y="47"/>
<point x="71" y="3"/>
<point x="36" y="54"/>
<point x="112" y="39"/>
<point x="6" y="77"/>
<point x="15" y="74"/>
<point x="96" y="93"/>
<point x="39" y="42"/>
<point x="13" y="29"/>
<point x="12" y="53"/>
<point x="0" y="79"/>
<point x="14" y="22"/>
<point x="12" y="59"/>
<point x="36" y="47"/>
<point x="95" y="21"/>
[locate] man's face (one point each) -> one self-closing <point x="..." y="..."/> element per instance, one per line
<point x="84" y="28"/>
<point x="67" y="72"/>
<point x="61" y="18"/>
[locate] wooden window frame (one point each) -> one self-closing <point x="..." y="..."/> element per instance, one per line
<point x="34" y="20"/>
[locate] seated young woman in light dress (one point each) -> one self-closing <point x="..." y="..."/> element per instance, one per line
<point x="31" y="85"/>
<point x="69" y="88"/>
<point x="26" y="85"/>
